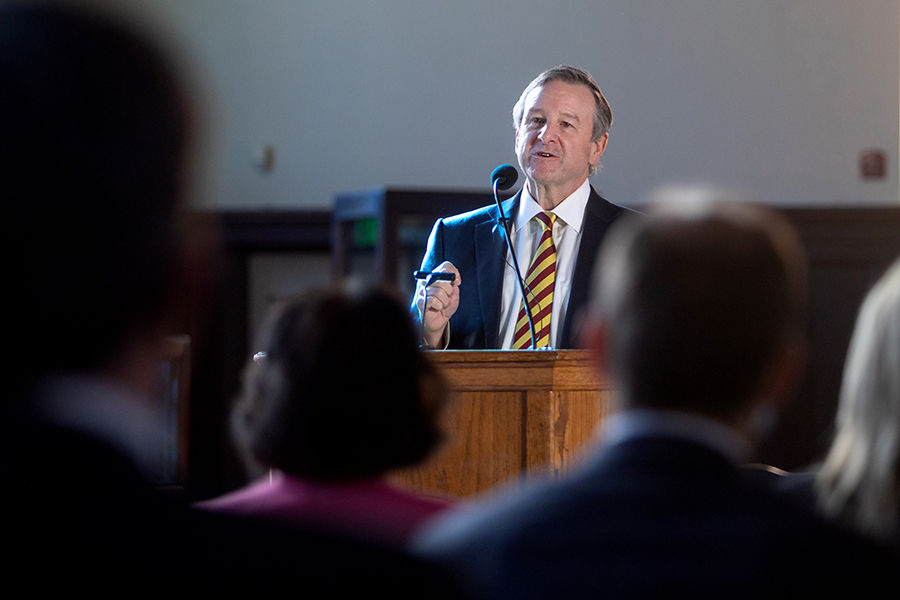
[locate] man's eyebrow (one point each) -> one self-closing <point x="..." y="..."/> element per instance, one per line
<point x="565" y="115"/>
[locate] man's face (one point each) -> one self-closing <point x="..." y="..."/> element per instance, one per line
<point x="553" y="141"/>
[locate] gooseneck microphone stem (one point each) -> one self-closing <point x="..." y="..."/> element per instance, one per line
<point x="504" y="177"/>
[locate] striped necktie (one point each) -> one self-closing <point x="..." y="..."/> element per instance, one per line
<point x="540" y="282"/>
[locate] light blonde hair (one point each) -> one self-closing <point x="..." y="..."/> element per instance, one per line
<point x="859" y="482"/>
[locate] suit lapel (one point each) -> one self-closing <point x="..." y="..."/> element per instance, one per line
<point x="597" y="216"/>
<point x="490" y="256"/>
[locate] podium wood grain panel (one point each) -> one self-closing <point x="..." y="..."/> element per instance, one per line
<point x="511" y="415"/>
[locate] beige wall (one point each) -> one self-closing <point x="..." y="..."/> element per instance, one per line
<point x="776" y="98"/>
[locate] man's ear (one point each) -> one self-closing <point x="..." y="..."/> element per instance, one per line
<point x="594" y="337"/>
<point x="774" y="393"/>
<point x="784" y="371"/>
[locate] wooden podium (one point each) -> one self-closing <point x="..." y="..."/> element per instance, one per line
<point x="511" y="414"/>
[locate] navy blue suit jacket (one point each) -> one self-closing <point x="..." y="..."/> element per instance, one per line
<point x="474" y="243"/>
<point x="656" y="518"/>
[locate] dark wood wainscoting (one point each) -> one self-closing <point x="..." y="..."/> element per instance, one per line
<point x="848" y="249"/>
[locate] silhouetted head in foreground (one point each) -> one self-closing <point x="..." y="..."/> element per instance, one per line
<point x="701" y="305"/>
<point x="859" y="482"/>
<point x="95" y="128"/>
<point x="343" y="391"/>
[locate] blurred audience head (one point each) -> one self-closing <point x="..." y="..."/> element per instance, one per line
<point x="95" y="127"/>
<point x="859" y="482"/>
<point x="697" y="299"/>
<point x="343" y="391"/>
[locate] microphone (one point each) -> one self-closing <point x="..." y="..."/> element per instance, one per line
<point x="504" y="177"/>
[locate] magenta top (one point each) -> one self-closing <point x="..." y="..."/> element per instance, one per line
<point x="371" y="509"/>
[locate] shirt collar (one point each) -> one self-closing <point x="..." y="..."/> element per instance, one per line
<point x="642" y="423"/>
<point x="570" y="210"/>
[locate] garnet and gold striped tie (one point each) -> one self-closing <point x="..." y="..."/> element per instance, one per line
<point x="540" y="282"/>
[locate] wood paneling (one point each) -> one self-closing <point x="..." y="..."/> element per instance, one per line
<point x="848" y="249"/>
<point x="511" y="415"/>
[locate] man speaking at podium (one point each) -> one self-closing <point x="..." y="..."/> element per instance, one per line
<point x="557" y="222"/>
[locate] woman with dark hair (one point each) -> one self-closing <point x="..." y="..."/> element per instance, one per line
<point x="339" y="396"/>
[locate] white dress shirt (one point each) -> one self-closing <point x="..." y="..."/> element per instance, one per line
<point x="642" y="422"/>
<point x="526" y="235"/>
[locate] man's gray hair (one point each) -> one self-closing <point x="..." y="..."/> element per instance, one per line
<point x="603" y="116"/>
<point x="699" y="294"/>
